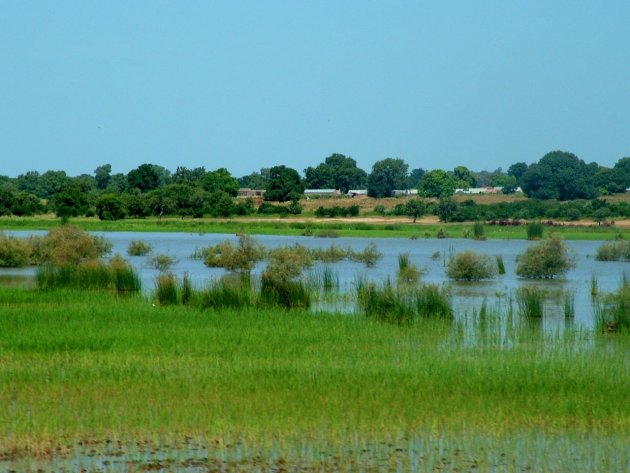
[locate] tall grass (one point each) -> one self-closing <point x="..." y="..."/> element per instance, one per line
<point x="479" y="232"/>
<point x="500" y="264"/>
<point x="614" y="316"/>
<point x="138" y="248"/>
<point x="118" y="276"/>
<point x="264" y="389"/>
<point x="408" y="273"/>
<point x="535" y="230"/>
<point x="14" y="252"/>
<point x="369" y="256"/>
<point x="530" y="301"/>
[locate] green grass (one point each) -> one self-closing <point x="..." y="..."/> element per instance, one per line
<point x="93" y="366"/>
<point x="296" y="228"/>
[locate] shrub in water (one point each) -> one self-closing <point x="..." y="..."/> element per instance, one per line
<point x="369" y="256"/>
<point x="138" y="248"/>
<point x="14" y="252"/>
<point x="240" y="257"/>
<point x="614" y="251"/>
<point x="544" y="260"/>
<point x="68" y="244"/>
<point x="162" y="262"/>
<point x="470" y="266"/>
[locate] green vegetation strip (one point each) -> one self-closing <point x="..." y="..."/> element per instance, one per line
<point x="93" y="366"/>
<point x="316" y="227"/>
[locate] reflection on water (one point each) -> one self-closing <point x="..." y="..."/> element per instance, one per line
<point x="431" y="255"/>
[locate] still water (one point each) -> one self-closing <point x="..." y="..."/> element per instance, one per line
<point x="430" y="255"/>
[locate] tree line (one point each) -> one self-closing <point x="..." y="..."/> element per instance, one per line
<point x="151" y="189"/>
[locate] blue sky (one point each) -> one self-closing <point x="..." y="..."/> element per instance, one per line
<point x="245" y="85"/>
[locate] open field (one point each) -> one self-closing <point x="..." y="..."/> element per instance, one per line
<point x="94" y="372"/>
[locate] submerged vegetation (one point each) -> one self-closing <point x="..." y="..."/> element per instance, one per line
<point x="545" y="260"/>
<point x="470" y="266"/>
<point x="614" y="251"/>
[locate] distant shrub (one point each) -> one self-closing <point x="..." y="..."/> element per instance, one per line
<point x="337" y="211"/>
<point x="327" y="233"/>
<point x="331" y="254"/>
<point x="408" y="273"/>
<point x="470" y="266"/>
<point x="544" y="260"/>
<point x="138" y="248"/>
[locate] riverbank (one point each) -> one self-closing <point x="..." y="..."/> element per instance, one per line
<point x="369" y="227"/>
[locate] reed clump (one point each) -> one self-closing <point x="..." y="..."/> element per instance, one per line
<point x="408" y="273"/>
<point x="392" y="304"/>
<point x="240" y="257"/>
<point x="535" y="230"/>
<point x="530" y="301"/>
<point x="228" y="293"/>
<point x="166" y="290"/>
<point x="117" y="275"/>
<point x="162" y="262"/>
<point x="614" y="316"/>
<point x="479" y="232"/>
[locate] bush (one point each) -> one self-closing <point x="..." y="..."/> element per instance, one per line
<point x="470" y="266"/>
<point x="68" y="245"/>
<point x="408" y="273"/>
<point x="614" y="251"/>
<point x="544" y="260"/>
<point x="138" y="248"/>
<point x="14" y="252"/>
<point x="162" y="262"/>
<point x="241" y="257"/>
<point x="166" y="291"/>
<point x="369" y="256"/>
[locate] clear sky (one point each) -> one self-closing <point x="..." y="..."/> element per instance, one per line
<point x="251" y="84"/>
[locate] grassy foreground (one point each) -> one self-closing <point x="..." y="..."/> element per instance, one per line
<point x="92" y="367"/>
<point x="382" y="227"/>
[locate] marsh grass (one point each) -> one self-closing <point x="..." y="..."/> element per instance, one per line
<point x="162" y="262"/>
<point x="117" y="275"/>
<point x="228" y="293"/>
<point x="500" y="264"/>
<point x="535" y="230"/>
<point x="408" y="273"/>
<point x="530" y="301"/>
<point x="614" y="314"/>
<point x="479" y="232"/>
<point x="257" y="386"/>
<point x="14" y="252"/>
<point x="166" y="290"/>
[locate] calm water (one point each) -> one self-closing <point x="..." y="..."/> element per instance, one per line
<point x="467" y="297"/>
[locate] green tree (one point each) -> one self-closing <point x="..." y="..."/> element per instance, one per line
<point x="144" y="178"/>
<point x="464" y="178"/>
<point x="414" y="178"/>
<point x="415" y="208"/>
<point x="220" y="181"/>
<point x="437" y="183"/>
<point x="183" y="175"/>
<point x="559" y="175"/>
<point x="110" y="207"/>
<point x="221" y="204"/>
<point x="387" y="175"/>
<point x="255" y="180"/>
<point x="517" y="170"/>
<point x="447" y="209"/>
<point x="102" y="174"/>
<point x="72" y="201"/>
<point x="336" y="172"/>
<point x="284" y="184"/>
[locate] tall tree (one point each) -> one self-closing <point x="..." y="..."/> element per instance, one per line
<point x="464" y="178"/>
<point x="336" y="172"/>
<point x="220" y="181"/>
<point x="284" y="184"/>
<point x="387" y="175"/>
<point x="559" y="175"/>
<point x="437" y="183"/>
<point x="102" y="174"/>
<point x="143" y="178"/>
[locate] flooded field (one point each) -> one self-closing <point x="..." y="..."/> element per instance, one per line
<point x="430" y="255"/>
